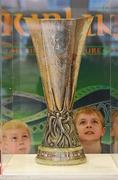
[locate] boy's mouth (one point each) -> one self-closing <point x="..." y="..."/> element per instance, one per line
<point x="89" y="132"/>
<point x="22" y="149"/>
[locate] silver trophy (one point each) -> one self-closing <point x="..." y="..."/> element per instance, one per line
<point x="58" y="44"/>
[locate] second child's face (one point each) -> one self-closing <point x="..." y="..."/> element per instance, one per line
<point x="16" y="141"/>
<point x="89" y="127"/>
<point x="114" y="131"/>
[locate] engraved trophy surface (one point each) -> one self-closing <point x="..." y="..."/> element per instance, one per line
<point x="58" y="44"/>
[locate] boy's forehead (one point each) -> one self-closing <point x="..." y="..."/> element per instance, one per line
<point x="116" y="120"/>
<point x="89" y="115"/>
<point x="16" y="130"/>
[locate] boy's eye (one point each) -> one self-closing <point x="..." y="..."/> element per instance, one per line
<point x="95" y="121"/>
<point x="25" y="136"/>
<point x="4" y="137"/>
<point x="14" y="138"/>
<point x="82" y="122"/>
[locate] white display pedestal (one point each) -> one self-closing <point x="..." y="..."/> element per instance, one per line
<point x="24" y="167"/>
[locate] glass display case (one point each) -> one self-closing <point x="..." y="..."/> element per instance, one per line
<point x="22" y="96"/>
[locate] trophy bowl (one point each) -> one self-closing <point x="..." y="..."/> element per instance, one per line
<point x="58" y="44"/>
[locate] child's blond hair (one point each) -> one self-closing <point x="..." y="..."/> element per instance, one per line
<point x="114" y="115"/>
<point x="90" y="110"/>
<point x="15" y="124"/>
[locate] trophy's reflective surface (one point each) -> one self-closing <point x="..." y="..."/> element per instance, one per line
<point x="58" y="45"/>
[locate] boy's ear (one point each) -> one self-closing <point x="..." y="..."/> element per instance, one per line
<point x="111" y="132"/>
<point x="103" y="131"/>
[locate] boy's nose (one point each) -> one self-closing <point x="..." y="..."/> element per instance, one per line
<point x="21" y="141"/>
<point x="89" y="125"/>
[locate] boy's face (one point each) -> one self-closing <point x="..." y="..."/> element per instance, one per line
<point x="89" y="127"/>
<point x="114" y="129"/>
<point x="16" y="141"/>
<point x="0" y="139"/>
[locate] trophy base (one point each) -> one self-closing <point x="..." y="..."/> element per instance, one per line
<point x="60" y="156"/>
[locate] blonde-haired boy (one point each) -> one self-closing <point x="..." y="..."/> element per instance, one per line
<point x="16" y="138"/>
<point x="114" y="131"/>
<point x="0" y="136"/>
<point x="90" y="127"/>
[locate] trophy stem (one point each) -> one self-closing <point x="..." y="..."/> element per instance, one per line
<point x="60" y="131"/>
<point x="60" y="145"/>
